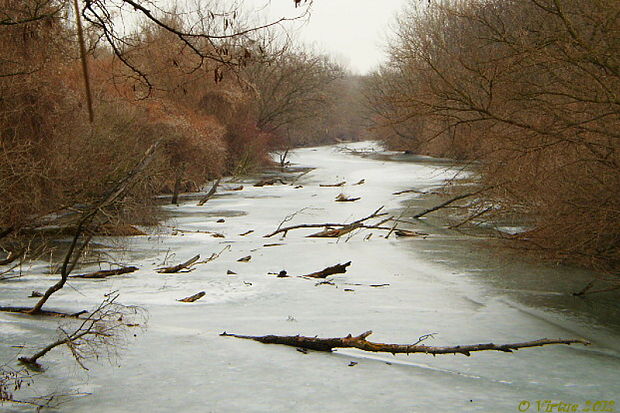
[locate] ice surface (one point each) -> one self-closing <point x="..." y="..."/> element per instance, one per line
<point x="443" y="284"/>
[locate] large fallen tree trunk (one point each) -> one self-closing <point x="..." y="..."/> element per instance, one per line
<point x="360" y="342"/>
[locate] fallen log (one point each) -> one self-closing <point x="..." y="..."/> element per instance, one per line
<point x="360" y="342"/>
<point x="176" y="268"/>
<point x="192" y="298"/>
<point x="210" y="193"/>
<point x="335" y="269"/>
<point x="106" y="273"/>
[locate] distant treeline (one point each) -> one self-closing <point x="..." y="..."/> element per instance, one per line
<point x="530" y="91"/>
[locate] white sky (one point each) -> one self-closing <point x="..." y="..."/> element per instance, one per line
<point x="353" y="31"/>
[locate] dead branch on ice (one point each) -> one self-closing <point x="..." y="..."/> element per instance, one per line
<point x="106" y="273"/>
<point x="360" y="342"/>
<point x="335" y="269"/>
<point x="344" y="228"/>
<point x="193" y="298"/>
<point x="176" y="268"/>
<point x="332" y="185"/>
<point x="343" y="198"/>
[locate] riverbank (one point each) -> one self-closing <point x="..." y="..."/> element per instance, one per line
<point x="435" y="284"/>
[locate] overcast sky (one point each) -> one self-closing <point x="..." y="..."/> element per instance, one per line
<point x="353" y="31"/>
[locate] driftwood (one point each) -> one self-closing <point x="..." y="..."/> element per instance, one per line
<point x="360" y="182"/>
<point x="210" y="193"/>
<point x="335" y="269"/>
<point x="246" y="233"/>
<point x="106" y="273"/>
<point x="344" y="198"/>
<point x="245" y="259"/>
<point x="333" y="185"/>
<point x="360" y="342"/>
<point x="176" y="268"/>
<point x="192" y="298"/>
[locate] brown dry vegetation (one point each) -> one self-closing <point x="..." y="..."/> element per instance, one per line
<point x="215" y="105"/>
<point x="528" y="88"/>
<point x="54" y="161"/>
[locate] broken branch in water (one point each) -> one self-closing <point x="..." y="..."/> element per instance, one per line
<point x="360" y="342"/>
<point x="176" y="268"/>
<point x="210" y="193"/>
<point x="106" y="273"/>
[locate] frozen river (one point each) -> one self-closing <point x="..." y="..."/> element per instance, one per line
<point x="445" y="284"/>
